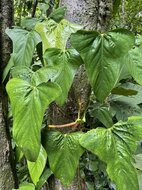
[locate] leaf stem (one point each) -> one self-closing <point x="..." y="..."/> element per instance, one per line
<point x="72" y="124"/>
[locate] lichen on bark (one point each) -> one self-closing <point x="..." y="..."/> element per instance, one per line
<point x="6" y="173"/>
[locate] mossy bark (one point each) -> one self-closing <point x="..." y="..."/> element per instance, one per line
<point x="7" y="181"/>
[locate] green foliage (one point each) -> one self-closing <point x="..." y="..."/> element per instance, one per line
<point x="43" y="179"/>
<point x="68" y="62"/>
<point x="42" y="75"/>
<point x="133" y="17"/>
<point x="24" y="43"/>
<point x="103" y="55"/>
<point x="26" y="186"/>
<point x="103" y="114"/>
<point x="138" y="161"/>
<point x="135" y="64"/>
<point x="28" y="102"/>
<point x="63" y="152"/>
<point x="29" y="23"/>
<point x="116" y="4"/>
<point x="36" y="168"/>
<point x="129" y="15"/>
<point x="42" y="68"/>
<point x="55" y="34"/>
<point x="124" y="106"/>
<point x="58" y="14"/>
<point x="115" y="146"/>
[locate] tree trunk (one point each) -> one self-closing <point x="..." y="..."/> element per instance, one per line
<point x="92" y="14"/>
<point x="6" y="173"/>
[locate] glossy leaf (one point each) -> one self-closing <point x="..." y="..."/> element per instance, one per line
<point x="103" y="114"/>
<point x="55" y="34"/>
<point x="63" y="152"/>
<point x="68" y="62"/>
<point x="28" y="102"/>
<point x="116" y="146"/>
<point x="103" y="55"/>
<point x="24" y="43"/>
<point x="36" y="168"/>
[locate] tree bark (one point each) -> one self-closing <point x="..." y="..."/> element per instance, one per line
<point x="92" y="14"/>
<point x="6" y="164"/>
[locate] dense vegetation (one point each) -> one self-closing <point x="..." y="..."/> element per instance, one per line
<point x="103" y="149"/>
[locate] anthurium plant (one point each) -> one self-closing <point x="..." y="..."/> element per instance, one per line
<point x="38" y="79"/>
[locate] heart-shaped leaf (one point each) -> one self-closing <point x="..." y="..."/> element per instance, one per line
<point x="55" y="34"/>
<point x="28" y="102"/>
<point x="68" y="62"/>
<point x="24" y="44"/>
<point x="103" y="55"/>
<point x="63" y="152"/>
<point x="36" y="168"/>
<point x="116" y="146"/>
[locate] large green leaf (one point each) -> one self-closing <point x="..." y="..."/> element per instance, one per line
<point x="116" y="146"/>
<point x="68" y="62"/>
<point x="28" y="102"/>
<point x="24" y="43"/>
<point x="103" y="55"/>
<point x="63" y="152"/>
<point x="55" y="34"/>
<point x="36" y="168"/>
